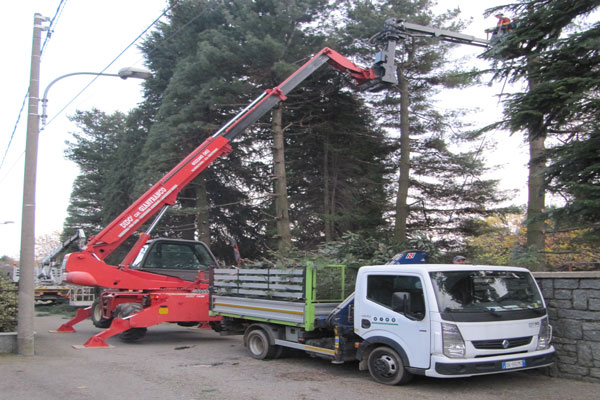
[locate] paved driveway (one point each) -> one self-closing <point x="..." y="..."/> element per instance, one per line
<point x="173" y="362"/>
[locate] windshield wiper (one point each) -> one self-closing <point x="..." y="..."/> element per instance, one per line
<point x="490" y="311"/>
<point x="538" y="311"/>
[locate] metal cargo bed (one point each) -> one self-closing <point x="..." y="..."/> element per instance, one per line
<point x="293" y="296"/>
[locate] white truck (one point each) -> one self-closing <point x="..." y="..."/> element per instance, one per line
<point x="434" y="320"/>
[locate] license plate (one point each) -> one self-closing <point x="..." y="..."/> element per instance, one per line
<point x="513" y="364"/>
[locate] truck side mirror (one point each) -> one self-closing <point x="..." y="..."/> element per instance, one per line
<point x="401" y="302"/>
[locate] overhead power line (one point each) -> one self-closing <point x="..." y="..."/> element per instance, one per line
<point x="12" y="135"/>
<point x="53" y="22"/>
<point x="109" y="64"/>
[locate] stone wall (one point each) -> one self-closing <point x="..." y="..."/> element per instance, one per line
<point x="573" y="300"/>
<point x="8" y="342"/>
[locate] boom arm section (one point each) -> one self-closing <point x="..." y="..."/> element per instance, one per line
<point x="398" y="29"/>
<point x="165" y="191"/>
<point x="395" y="29"/>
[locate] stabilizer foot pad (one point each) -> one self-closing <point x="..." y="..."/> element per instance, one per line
<point x="81" y="347"/>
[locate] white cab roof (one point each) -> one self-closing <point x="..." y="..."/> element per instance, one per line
<point x="419" y="268"/>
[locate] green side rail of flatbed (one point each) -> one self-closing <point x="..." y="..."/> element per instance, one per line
<point x="294" y="296"/>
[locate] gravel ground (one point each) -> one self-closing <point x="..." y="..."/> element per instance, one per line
<point x="174" y="362"/>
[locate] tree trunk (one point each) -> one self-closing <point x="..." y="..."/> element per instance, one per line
<point x="326" y="199"/>
<point x="403" y="180"/>
<point x="280" y="185"/>
<point x="202" y="224"/>
<point x="536" y="191"/>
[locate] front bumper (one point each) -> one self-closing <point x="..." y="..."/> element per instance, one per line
<point x="445" y="367"/>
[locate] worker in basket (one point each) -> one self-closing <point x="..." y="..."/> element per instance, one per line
<point x="503" y="26"/>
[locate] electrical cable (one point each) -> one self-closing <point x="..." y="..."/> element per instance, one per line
<point x="11" y="167"/>
<point x="14" y="129"/>
<point x="53" y="22"/>
<point x="175" y="33"/>
<point x="109" y="64"/>
<point x="149" y="52"/>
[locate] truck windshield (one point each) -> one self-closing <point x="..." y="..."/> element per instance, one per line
<point x="174" y="255"/>
<point x="487" y="292"/>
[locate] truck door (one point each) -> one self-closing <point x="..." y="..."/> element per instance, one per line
<point x="409" y="327"/>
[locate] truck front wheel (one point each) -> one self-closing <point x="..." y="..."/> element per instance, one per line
<point x="258" y="345"/>
<point x="386" y="366"/>
<point x="97" y="319"/>
<point x="125" y="310"/>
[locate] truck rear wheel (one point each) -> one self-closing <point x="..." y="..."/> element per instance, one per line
<point x="259" y="346"/>
<point x="386" y="366"/>
<point x="97" y="319"/>
<point x="125" y="310"/>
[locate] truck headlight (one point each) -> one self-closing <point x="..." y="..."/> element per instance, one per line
<point x="545" y="335"/>
<point x="454" y="345"/>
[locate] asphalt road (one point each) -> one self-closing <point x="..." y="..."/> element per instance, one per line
<point x="174" y="362"/>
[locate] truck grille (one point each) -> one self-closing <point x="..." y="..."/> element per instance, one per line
<point x="501" y="343"/>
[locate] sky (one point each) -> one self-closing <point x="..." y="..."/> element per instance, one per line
<point x="87" y="36"/>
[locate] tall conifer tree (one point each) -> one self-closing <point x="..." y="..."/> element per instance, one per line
<point x="438" y="190"/>
<point x="551" y="105"/>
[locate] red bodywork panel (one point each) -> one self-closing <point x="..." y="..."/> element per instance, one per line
<point x="86" y="270"/>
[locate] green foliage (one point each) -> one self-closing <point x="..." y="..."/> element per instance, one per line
<point x="8" y="305"/>
<point x="527" y="257"/>
<point x="559" y="59"/>
<point x="210" y="59"/>
<point x="500" y="240"/>
<point x="96" y="197"/>
<point x="230" y="52"/>
<point x="55" y="309"/>
<point x="563" y="61"/>
<point x="336" y="166"/>
<point x="445" y="187"/>
<point x="355" y="251"/>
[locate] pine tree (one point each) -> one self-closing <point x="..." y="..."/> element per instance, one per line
<point x="570" y="97"/>
<point x="230" y="52"/>
<point x="337" y="165"/>
<point x="94" y="151"/>
<point x="549" y="106"/>
<point x="438" y="190"/>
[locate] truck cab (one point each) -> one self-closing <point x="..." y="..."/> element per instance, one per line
<point x="174" y="257"/>
<point x="449" y="320"/>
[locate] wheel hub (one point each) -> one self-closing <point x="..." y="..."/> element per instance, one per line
<point x="385" y="366"/>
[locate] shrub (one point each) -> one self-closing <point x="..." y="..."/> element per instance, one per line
<point x="8" y="305"/>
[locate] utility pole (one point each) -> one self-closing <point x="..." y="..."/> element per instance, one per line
<point x="25" y="343"/>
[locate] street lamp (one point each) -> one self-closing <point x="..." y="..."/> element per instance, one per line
<point x="124" y="73"/>
<point x="25" y="341"/>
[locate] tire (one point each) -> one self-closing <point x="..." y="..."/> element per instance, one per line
<point x="188" y="323"/>
<point x="97" y="319"/>
<point x="258" y="345"/>
<point x="386" y="366"/>
<point x="125" y="310"/>
<point x="280" y="352"/>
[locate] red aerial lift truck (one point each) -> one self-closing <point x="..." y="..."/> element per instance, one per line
<point x="165" y="280"/>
